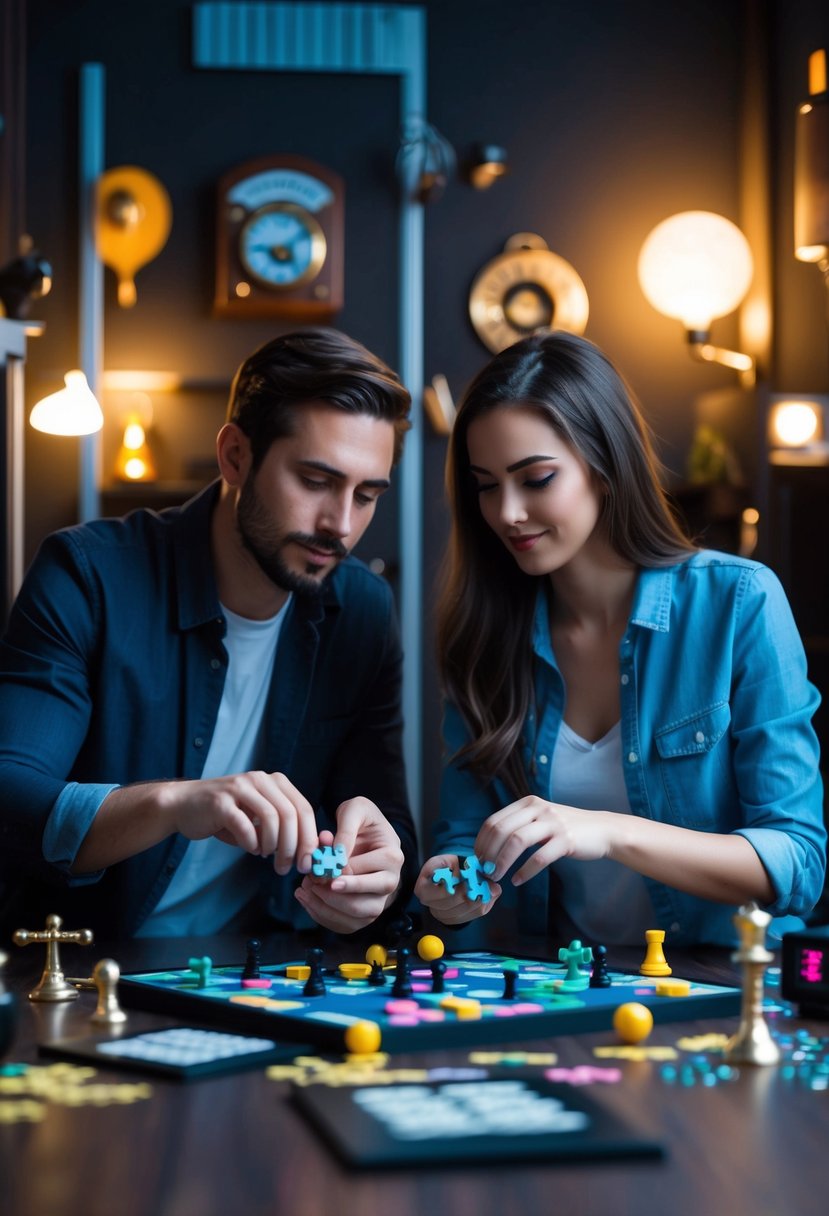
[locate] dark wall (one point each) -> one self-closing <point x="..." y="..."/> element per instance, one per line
<point x="614" y="116"/>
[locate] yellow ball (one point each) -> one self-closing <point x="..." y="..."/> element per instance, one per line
<point x="430" y="947"/>
<point x="377" y="954"/>
<point x="633" y="1022"/>
<point x="363" y="1038"/>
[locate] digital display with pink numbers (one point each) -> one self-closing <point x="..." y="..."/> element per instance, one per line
<point x="805" y="969"/>
<point x="812" y="966"/>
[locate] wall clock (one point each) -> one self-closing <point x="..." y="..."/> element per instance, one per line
<point x="525" y="289"/>
<point x="279" y="240"/>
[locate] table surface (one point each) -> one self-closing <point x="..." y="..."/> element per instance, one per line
<point x="234" y="1144"/>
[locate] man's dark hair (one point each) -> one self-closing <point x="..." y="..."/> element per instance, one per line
<point x="313" y="365"/>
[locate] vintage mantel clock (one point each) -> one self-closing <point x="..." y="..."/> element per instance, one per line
<point x="525" y="289"/>
<point x="279" y="240"/>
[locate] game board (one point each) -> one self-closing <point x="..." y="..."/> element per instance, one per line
<point x="536" y="1011"/>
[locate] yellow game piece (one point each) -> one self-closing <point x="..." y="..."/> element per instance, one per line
<point x="354" y="971"/>
<point x="363" y="1038"/>
<point x="377" y="954"/>
<point x="462" y="1006"/>
<point x="633" y="1022"/>
<point x="672" y="987"/>
<point x="430" y="947"/>
<point x="300" y="971"/>
<point x="654" y="962"/>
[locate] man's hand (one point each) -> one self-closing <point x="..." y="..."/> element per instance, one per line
<point x="262" y="813"/>
<point x="450" y="909"/>
<point x="369" y="881"/>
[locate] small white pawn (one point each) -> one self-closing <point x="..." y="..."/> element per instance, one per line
<point x="106" y="975"/>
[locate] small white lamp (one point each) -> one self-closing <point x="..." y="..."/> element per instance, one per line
<point x="697" y="266"/>
<point x="73" y="410"/>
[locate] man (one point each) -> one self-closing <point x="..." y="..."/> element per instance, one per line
<point x="191" y="702"/>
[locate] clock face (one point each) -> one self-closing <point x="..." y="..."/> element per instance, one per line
<point x="523" y="291"/>
<point x="279" y="240"/>
<point x="282" y="245"/>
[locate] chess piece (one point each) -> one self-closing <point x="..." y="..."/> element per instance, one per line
<point x="402" y="986"/>
<point x="599" y="977"/>
<point x="376" y="977"/>
<point x="510" y="981"/>
<point x="252" y="962"/>
<point x="438" y="969"/>
<point x="654" y="962"/>
<point x="106" y="974"/>
<point x="574" y="956"/>
<point x="752" y="1044"/>
<point x="315" y="984"/>
<point x="53" y="985"/>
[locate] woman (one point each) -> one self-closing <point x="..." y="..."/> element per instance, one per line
<point x="628" y="718"/>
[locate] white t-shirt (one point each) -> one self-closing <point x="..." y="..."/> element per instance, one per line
<point x="603" y="902"/>
<point x="215" y="881"/>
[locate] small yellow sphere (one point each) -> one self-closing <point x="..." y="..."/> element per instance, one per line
<point x="633" y="1022"/>
<point x="430" y="947"/>
<point x="377" y="954"/>
<point x="363" y="1038"/>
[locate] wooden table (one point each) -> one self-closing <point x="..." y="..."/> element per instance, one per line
<point x="758" y="1145"/>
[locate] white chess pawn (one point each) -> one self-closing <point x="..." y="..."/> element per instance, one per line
<point x="106" y="976"/>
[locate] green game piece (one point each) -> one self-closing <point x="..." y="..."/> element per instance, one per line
<point x="202" y="967"/>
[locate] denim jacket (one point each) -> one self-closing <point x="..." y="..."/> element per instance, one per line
<point x="111" y="672"/>
<point x="716" y="727"/>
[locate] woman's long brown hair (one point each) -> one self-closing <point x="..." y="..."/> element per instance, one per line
<point x="486" y="603"/>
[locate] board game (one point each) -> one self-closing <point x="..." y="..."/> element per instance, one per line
<point x="469" y="1008"/>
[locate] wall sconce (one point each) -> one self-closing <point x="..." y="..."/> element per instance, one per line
<point x="26" y="278"/>
<point x="133" y="217"/>
<point x="425" y="161"/>
<point x="697" y="266"/>
<point x="72" y="410"/>
<point x="487" y="163"/>
<point x="811" y="170"/>
<point x="796" y="430"/>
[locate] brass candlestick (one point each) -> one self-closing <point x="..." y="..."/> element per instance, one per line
<point x="752" y="1044"/>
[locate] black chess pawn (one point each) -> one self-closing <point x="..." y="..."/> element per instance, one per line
<point x="510" y="981"/>
<point x="376" y="978"/>
<point x="599" y="977"/>
<point x="438" y="969"/>
<point x="252" y="963"/>
<point x="315" y="984"/>
<point x="402" y="974"/>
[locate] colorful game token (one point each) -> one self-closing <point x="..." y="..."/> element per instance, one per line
<point x="633" y="1022"/>
<point x="430" y="947"/>
<point x="363" y="1038"/>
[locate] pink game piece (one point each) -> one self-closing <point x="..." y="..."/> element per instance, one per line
<point x="257" y="983"/>
<point x="402" y="1007"/>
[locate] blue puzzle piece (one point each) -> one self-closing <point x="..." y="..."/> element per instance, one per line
<point x="476" y="885"/>
<point x="443" y="874"/>
<point x="329" y="862"/>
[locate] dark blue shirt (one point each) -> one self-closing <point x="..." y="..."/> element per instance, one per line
<point x="111" y="672"/>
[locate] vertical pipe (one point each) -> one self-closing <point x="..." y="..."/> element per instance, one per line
<point x="413" y="102"/>
<point x="91" y="278"/>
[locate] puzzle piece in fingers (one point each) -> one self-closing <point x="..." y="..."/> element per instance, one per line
<point x="329" y="861"/>
<point x="473" y="875"/>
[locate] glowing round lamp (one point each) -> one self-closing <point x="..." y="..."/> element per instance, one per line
<point x="73" y="410"/>
<point x="794" y="424"/>
<point x="695" y="266"/>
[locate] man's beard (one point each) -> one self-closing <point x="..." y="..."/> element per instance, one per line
<point x="263" y="542"/>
